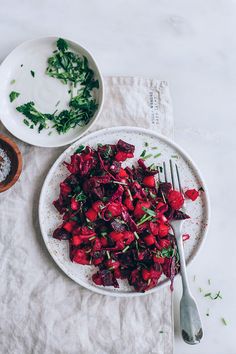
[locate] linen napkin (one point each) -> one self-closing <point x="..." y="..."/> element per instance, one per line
<point x="42" y="310"/>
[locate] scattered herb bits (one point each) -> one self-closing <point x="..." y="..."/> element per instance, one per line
<point x="223" y="321"/>
<point x="13" y="95"/>
<point x="32" y="73"/>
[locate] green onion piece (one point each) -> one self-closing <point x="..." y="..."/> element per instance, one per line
<point x="224" y="321"/>
<point x="136" y="235"/>
<point x="149" y="211"/>
<point x="157" y="155"/>
<point x="144" y="220"/>
<point x="92" y="238"/>
<point x="125" y="249"/>
<point x="147" y="156"/>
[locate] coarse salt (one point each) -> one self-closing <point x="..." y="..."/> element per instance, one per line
<point x="5" y="165"/>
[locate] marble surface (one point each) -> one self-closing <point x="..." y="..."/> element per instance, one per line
<point x="192" y="45"/>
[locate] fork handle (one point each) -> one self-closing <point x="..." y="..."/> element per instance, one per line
<point x="190" y="321"/>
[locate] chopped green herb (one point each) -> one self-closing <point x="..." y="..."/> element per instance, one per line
<point x="125" y="249"/>
<point x="224" y="321"/>
<point x="209" y="281"/>
<point x="32" y="126"/>
<point x="208" y="295"/>
<point x="157" y="155"/>
<point x="26" y="122"/>
<point x="143" y="220"/>
<point x="147" y="156"/>
<point x="92" y="238"/>
<point x="33" y="115"/>
<point x="174" y="156"/>
<point x="200" y="290"/>
<point x="167" y="252"/>
<point x="143" y="153"/>
<point x="12" y="82"/>
<point x="217" y="296"/>
<point x="21" y="65"/>
<point x="79" y="149"/>
<point x="13" y="95"/>
<point x="149" y="211"/>
<point x="146" y="144"/>
<point x="32" y="73"/>
<point x="49" y="133"/>
<point x="58" y="102"/>
<point x="136" y="235"/>
<point x="154" y="148"/>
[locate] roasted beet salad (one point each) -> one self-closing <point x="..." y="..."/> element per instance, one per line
<point x="117" y="218"/>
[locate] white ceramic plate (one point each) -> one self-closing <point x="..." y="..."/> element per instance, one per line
<point x="45" y="91"/>
<point x="50" y="218"/>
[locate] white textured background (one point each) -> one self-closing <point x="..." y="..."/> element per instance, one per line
<point x="192" y="44"/>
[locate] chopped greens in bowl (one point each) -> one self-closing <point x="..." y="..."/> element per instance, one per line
<point x="71" y="69"/>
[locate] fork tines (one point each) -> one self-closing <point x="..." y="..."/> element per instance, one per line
<point x="172" y="174"/>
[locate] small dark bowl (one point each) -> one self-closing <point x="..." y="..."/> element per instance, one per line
<point x="14" y="155"/>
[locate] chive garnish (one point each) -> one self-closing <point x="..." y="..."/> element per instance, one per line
<point x="154" y="148"/>
<point x="149" y="211"/>
<point x="12" y="82"/>
<point x="147" y="156"/>
<point x="146" y="144"/>
<point x="136" y="235"/>
<point x="144" y="220"/>
<point x="224" y="321"/>
<point x="125" y="249"/>
<point x="208" y="295"/>
<point x="32" y="73"/>
<point x="157" y="155"/>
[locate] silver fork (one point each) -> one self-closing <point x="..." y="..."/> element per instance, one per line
<point x="190" y="321"/>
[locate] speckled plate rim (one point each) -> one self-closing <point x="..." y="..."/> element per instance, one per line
<point x="126" y="129"/>
<point x="95" y="117"/>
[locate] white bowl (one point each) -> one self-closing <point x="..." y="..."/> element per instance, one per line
<point x="41" y="89"/>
